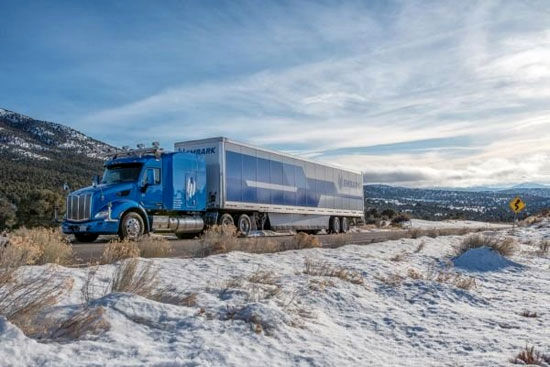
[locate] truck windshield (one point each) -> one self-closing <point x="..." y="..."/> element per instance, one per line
<point x="121" y="173"/>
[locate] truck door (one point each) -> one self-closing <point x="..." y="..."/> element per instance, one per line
<point x="151" y="189"/>
<point x="190" y="189"/>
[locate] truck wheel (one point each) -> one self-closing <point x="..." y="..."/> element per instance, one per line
<point x="227" y="220"/>
<point x="132" y="227"/>
<point x="244" y="224"/>
<point x="344" y="225"/>
<point x="334" y="225"/>
<point x="86" y="237"/>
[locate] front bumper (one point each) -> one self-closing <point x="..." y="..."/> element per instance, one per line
<point x="94" y="226"/>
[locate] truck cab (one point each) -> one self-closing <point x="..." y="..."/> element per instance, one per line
<point x="141" y="190"/>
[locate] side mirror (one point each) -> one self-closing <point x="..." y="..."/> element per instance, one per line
<point x="95" y="180"/>
<point x="66" y="187"/>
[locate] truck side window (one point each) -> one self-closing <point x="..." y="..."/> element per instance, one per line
<point x="152" y="175"/>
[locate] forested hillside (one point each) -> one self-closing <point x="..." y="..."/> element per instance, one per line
<point x="36" y="158"/>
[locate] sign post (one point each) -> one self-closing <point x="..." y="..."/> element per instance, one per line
<point x="517" y="205"/>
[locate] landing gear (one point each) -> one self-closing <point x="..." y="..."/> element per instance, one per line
<point x="86" y="237"/>
<point x="132" y="227"/>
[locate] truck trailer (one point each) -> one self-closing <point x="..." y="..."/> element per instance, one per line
<point x="213" y="181"/>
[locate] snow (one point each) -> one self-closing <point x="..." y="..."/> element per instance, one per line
<point x="482" y="259"/>
<point x="314" y="320"/>
<point x="453" y="223"/>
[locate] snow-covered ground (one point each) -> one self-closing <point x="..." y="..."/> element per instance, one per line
<point x="384" y="318"/>
<point x="453" y="223"/>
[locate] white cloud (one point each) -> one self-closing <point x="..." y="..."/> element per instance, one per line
<point x="433" y="71"/>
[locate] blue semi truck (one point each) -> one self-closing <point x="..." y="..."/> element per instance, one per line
<point x="213" y="181"/>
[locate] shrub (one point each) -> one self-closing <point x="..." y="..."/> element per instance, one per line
<point x="303" y="240"/>
<point x="530" y="356"/>
<point x="505" y="247"/>
<point x="24" y="299"/>
<point x="132" y="277"/>
<point x="154" y="246"/>
<point x="118" y="250"/>
<point x="400" y="218"/>
<point x="321" y="268"/>
<point x="46" y="245"/>
<point x="218" y="239"/>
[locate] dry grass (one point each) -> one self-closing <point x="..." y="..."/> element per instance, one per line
<point x="414" y="274"/>
<point x="324" y="269"/>
<point x="223" y="239"/>
<point x="320" y="284"/>
<point x="133" y="277"/>
<point x="82" y="323"/>
<point x="263" y="277"/>
<point x="218" y="239"/>
<point x="531" y="356"/>
<point x="505" y="247"/>
<point x="41" y="246"/>
<point x="414" y="232"/>
<point x="154" y="246"/>
<point x="392" y="280"/>
<point x="420" y="247"/>
<point x="340" y="240"/>
<point x="544" y="247"/>
<point x="433" y="233"/>
<point x="25" y="299"/>
<point x="398" y="257"/>
<point x="118" y="250"/>
<point x="303" y="240"/>
<point x="529" y="314"/>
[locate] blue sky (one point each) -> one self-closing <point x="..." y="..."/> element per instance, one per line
<point x="417" y="93"/>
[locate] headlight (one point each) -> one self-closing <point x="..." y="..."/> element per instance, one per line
<point x="101" y="214"/>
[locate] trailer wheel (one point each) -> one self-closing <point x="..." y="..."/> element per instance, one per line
<point x="334" y="226"/>
<point x="244" y="224"/>
<point x="86" y="237"/>
<point x="132" y="227"/>
<point x="226" y="220"/>
<point x="344" y="225"/>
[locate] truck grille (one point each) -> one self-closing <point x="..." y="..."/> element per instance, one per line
<point x="79" y="207"/>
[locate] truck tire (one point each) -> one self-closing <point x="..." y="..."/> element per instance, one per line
<point x="244" y="224"/>
<point x="344" y="225"/>
<point x="226" y="220"/>
<point x="86" y="237"/>
<point x="334" y="225"/>
<point x="131" y="226"/>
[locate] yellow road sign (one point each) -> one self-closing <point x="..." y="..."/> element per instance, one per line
<point x="517" y="205"/>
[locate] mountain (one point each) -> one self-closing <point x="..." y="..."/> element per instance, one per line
<point x="453" y="204"/>
<point x="36" y="158"/>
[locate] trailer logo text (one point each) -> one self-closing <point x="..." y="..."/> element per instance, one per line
<point x="200" y="151"/>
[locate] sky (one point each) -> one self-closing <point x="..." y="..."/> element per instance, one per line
<point x="412" y="93"/>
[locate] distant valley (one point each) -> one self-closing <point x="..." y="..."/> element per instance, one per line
<point x="438" y="204"/>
